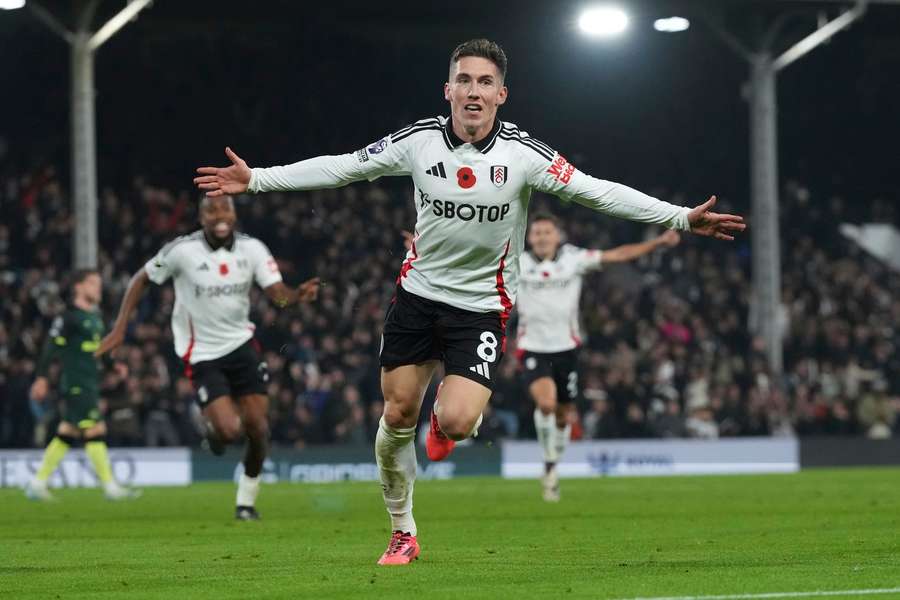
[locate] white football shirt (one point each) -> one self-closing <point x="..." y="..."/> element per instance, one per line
<point x="211" y="316"/>
<point x="549" y="295"/>
<point x="471" y="203"/>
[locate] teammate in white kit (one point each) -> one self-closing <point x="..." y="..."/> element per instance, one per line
<point x="213" y="270"/>
<point x="549" y="330"/>
<point x="473" y="176"/>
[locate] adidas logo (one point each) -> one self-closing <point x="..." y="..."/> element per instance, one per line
<point x="203" y="267"/>
<point x="483" y="369"/>
<point x="438" y="171"/>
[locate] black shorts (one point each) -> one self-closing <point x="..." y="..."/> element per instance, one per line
<point x="470" y="344"/>
<point x="241" y="372"/>
<point x="562" y="367"/>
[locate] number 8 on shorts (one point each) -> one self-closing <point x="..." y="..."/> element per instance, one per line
<point x="487" y="350"/>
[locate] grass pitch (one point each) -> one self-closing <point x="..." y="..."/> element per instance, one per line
<point x="481" y="537"/>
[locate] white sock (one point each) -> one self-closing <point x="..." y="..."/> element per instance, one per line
<point x="545" y="426"/>
<point x="395" y="454"/>
<point x="474" y="432"/>
<point x="561" y="440"/>
<point x="248" y="489"/>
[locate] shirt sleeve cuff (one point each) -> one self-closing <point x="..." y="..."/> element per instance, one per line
<point x="682" y="223"/>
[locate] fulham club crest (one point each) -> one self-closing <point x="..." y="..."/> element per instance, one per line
<point x="498" y="175"/>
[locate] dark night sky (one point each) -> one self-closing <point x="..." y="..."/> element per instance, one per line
<point x="280" y="81"/>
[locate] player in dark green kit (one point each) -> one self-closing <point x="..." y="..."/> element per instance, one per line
<point x="72" y="340"/>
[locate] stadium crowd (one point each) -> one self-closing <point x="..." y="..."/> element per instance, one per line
<point x="668" y="353"/>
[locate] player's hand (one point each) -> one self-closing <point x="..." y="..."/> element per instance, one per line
<point x="39" y="389"/>
<point x="219" y="181"/>
<point x="112" y="341"/>
<point x="720" y="226"/>
<point x="669" y="238"/>
<point x="408" y="239"/>
<point x="308" y="290"/>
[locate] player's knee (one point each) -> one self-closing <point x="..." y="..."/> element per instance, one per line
<point x="457" y="426"/>
<point x="400" y="414"/>
<point x="229" y="431"/>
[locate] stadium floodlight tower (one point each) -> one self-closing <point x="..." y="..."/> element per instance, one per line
<point x="762" y="98"/>
<point x="84" y="45"/>
<point x="764" y="66"/>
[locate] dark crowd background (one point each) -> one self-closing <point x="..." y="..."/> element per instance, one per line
<point x="668" y="351"/>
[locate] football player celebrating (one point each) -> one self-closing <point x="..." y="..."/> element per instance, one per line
<point x="473" y="176"/>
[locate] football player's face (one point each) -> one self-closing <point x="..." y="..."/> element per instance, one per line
<point x="90" y="288"/>
<point x="217" y="217"/>
<point x="543" y="236"/>
<point x="475" y="90"/>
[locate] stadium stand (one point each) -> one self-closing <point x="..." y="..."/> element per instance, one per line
<point x="667" y="354"/>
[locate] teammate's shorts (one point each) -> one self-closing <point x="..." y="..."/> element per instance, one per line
<point x="239" y="373"/>
<point x="80" y="408"/>
<point x="562" y="367"/>
<point x="470" y="344"/>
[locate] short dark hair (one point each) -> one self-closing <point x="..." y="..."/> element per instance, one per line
<point x="546" y="216"/>
<point x="81" y="274"/>
<point x="482" y="48"/>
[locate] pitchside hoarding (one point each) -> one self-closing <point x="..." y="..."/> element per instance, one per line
<point x="657" y="457"/>
<point x="329" y="464"/>
<point x="131" y="466"/>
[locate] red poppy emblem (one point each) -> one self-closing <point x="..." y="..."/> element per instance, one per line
<point x="465" y="177"/>
<point x="223" y="269"/>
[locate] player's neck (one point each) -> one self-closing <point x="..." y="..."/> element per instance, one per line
<point x="215" y="243"/>
<point x="82" y="304"/>
<point x="475" y="135"/>
<point x="549" y="255"/>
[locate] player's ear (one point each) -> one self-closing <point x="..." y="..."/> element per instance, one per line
<point x="447" y="92"/>
<point x="501" y="96"/>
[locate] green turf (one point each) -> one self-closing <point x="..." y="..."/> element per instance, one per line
<point x="480" y="537"/>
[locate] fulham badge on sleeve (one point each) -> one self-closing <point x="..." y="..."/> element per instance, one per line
<point x="498" y="175"/>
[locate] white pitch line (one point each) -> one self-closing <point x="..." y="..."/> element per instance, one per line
<point x="869" y="592"/>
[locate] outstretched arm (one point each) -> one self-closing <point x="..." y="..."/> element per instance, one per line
<point x="384" y="157"/>
<point x="622" y="201"/>
<point x="133" y="294"/>
<point x="550" y="172"/>
<point x="628" y="252"/>
<point x="283" y="296"/>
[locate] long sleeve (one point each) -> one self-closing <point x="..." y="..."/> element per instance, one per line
<point x="559" y="177"/>
<point x="627" y="203"/>
<point x="384" y="157"/>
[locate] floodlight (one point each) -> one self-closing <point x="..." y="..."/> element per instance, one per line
<point x="11" y="4"/>
<point x="671" y="24"/>
<point x="603" y="21"/>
